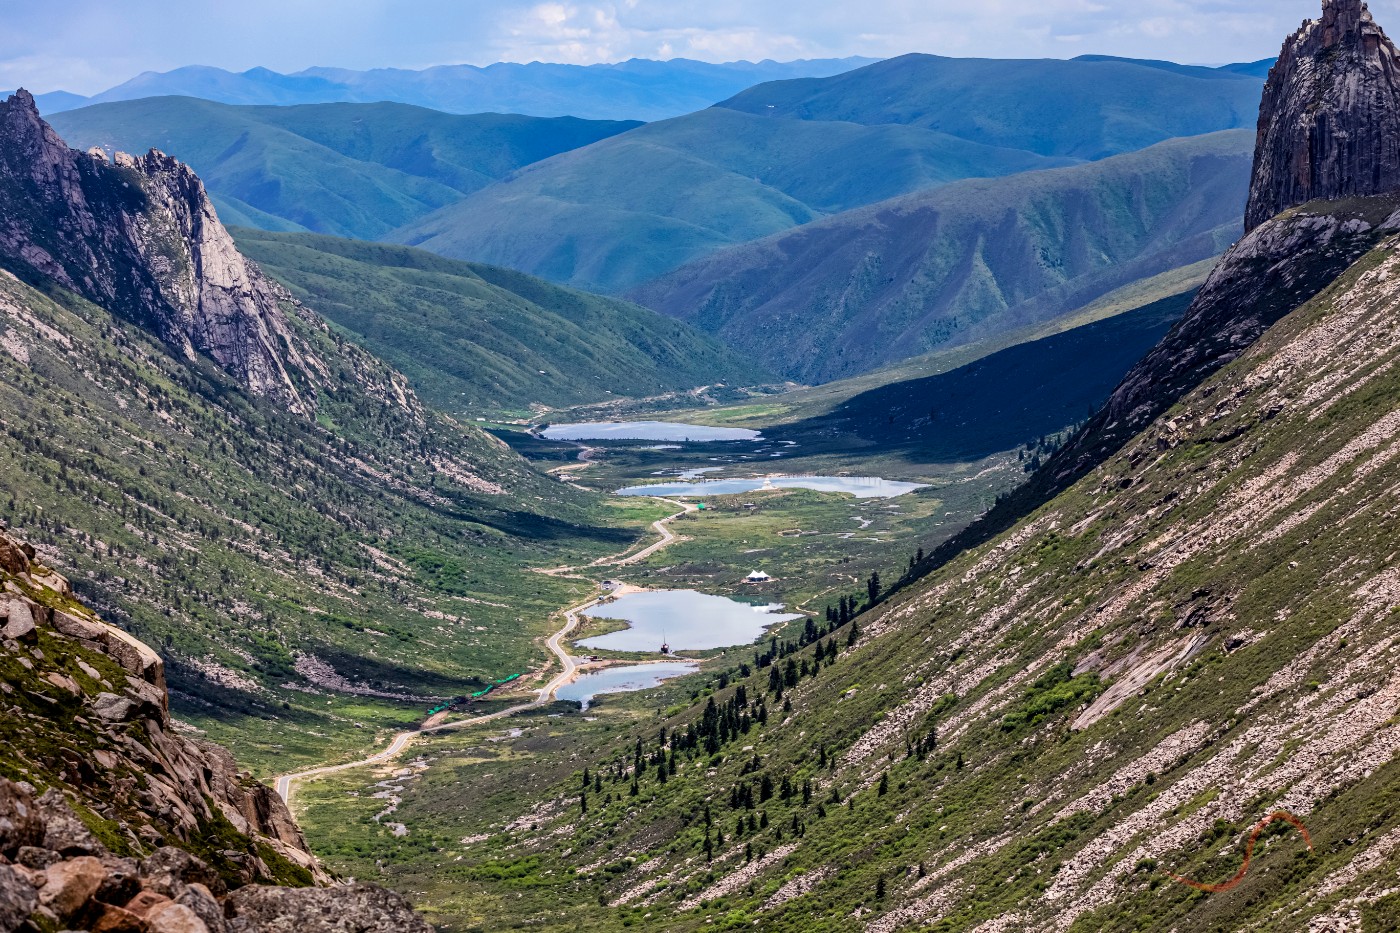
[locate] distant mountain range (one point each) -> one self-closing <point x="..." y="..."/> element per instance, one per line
<point x="639" y="89"/>
<point x="614" y="215"/>
<point x="610" y="216"/>
<point x="774" y="187"/>
<point x="1087" y="108"/>
<point x="355" y="170"/>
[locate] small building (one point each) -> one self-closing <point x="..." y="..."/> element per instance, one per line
<point x="758" y="576"/>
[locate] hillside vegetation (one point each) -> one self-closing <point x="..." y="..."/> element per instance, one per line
<point x="964" y="262"/>
<point x="474" y="338"/>
<point x="347" y="169"/>
<point x="1087" y="108"/>
<point x="1196" y="635"/>
<point x="613" y="215"/>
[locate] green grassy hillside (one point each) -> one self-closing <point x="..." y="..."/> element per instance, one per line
<point x="1087" y="108"/>
<point x="1037" y="736"/>
<point x="474" y="338"/>
<point x="964" y="262"/>
<point x="346" y="169"/>
<point x="612" y="215"/>
<point x="266" y="554"/>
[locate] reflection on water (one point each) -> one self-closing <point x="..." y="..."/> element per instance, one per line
<point x="862" y="487"/>
<point x="623" y="680"/>
<point x="687" y="620"/>
<point x="645" y="431"/>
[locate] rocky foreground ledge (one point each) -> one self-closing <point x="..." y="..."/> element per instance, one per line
<point x="55" y="875"/>
<point x="111" y="821"/>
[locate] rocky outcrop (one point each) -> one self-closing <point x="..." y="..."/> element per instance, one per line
<point x="90" y="720"/>
<point x="44" y="886"/>
<point x="1329" y="131"/>
<point x="1329" y="125"/>
<point x="138" y="829"/>
<point x="1273" y="270"/>
<point x="139" y="237"/>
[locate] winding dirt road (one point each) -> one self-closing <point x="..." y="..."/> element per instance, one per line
<point x="286" y="783"/>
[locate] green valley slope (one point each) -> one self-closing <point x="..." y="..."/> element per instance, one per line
<point x="610" y="216"/>
<point x="964" y="262"/>
<point x="346" y="169"/>
<point x="223" y="475"/>
<point x="1199" y="633"/>
<point x="474" y="338"/>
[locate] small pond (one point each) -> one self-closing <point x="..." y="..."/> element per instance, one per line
<point x="624" y="679"/>
<point x="645" y="431"/>
<point x="688" y="620"/>
<point x="862" y="487"/>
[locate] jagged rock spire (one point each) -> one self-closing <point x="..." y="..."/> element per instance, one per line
<point x="1329" y="124"/>
<point x="141" y="239"/>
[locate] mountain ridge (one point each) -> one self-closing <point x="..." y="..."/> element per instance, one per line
<point x="940" y="267"/>
<point x="637" y="89"/>
<point x="345" y="169"/>
<point x="475" y="338"/>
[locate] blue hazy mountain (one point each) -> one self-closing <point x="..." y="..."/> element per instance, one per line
<point x="639" y="89"/>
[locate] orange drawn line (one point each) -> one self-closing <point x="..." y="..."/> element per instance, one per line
<point x="1280" y="816"/>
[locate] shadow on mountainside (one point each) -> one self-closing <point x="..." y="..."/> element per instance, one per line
<point x="999" y="402"/>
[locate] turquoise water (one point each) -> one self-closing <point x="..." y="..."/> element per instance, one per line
<point x="862" y="487"/>
<point x="688" y="620"/>
<point x="645" y="431"/>
<point x="623" y="680"/>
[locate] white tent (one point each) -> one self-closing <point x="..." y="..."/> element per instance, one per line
<point x="758" y="576"/>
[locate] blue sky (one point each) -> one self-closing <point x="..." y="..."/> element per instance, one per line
<point x="89" y="45"/>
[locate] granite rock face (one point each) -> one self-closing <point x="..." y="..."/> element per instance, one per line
<point x="115" y="716"/>
<point x="167" y="891"/>
<point x="1329" y="124"/>
<point x="139" y="237"/>
<point x="1329" y="130"/>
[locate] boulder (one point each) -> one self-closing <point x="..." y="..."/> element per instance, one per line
<point x="65" y="623"/>
<point x="201" y="900"/>
<point x="20" y="823"/>
<point x="111" y="708"/>
<point x="64" y="833"/>
<point x="13" y="559"/>
<point x="174" y="918"/>
<point x="169" y="871"/>
<point x="70" y="884"/>
<point x="17" y="899"/>
<point x="36" y="858"/>
<point x="123" y="880"/>
<point x="112" y="919"/>
<point x="135" y="657"/>
<point x="19" y="620"/>
<point x="355" y="908"/>
<point x="145" y="902"/>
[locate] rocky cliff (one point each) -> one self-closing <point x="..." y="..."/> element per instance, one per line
<point x="1329" y="125"/>
<point x="1329" y="135"/>
<point x="110" y="818"/>
<point x="139" y="237"/>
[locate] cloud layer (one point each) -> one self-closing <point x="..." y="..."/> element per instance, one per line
<point x="89" y="45"/>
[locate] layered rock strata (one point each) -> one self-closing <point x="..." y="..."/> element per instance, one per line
<point x="1329" y="124"/>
